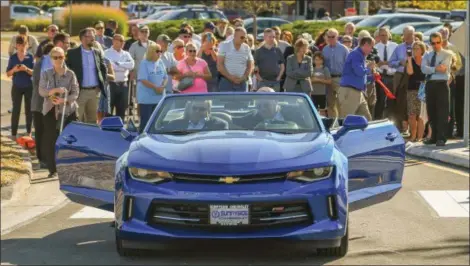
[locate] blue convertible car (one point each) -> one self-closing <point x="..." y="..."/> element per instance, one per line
<point x="232" y="166"/>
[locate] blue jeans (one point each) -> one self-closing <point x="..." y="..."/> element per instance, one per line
<point x="275" y="85"/>
<point x="226" y="85"/>
<point x="145" y="111"/>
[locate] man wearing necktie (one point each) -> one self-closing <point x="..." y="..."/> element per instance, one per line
<point x="397" y="109"/>
<point x="437" y="66"/>
<point x="385" y="49"/>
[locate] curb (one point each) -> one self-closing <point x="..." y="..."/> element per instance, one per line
<point x="438" y="155"/>
<point x="15" y="190"/>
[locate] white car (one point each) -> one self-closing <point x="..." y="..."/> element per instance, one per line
<point x="395" y="19"/>
<point x="18" y="12"/>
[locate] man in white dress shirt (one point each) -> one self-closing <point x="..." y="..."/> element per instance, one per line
<point x="122" y="63"/>
<point x="385" y="49"/>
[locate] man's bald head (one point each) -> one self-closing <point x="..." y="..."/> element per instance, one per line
<point x="266" y="89"/>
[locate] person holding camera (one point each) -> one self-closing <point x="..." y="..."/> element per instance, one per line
<point x="60" y="89"/>
<point x="413" y="69"/>
<point x="397" y="108"/>
<point x="20" y="67"/>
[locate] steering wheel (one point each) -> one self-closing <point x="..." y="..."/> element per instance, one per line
<point x="276" y="124"/>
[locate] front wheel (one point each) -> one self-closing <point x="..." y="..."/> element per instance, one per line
<point x="340" y="251"/>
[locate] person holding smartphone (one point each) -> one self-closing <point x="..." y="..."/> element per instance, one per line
<point x="20" y="67"/>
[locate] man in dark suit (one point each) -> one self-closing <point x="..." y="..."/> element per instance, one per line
<point x="198" y="117"/>
<point x="90" y="69"/>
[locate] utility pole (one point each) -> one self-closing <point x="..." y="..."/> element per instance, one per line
<point x="467" y="83"/>
<point x="70" y="17"/>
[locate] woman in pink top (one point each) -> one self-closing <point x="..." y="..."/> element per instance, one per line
<point x="194" y="67"/>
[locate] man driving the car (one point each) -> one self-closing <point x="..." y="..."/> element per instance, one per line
<point x="198" y="117"/>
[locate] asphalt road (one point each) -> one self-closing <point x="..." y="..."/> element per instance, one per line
<point x="404" y="230"/>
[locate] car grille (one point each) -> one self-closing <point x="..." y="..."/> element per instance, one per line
<point x="196" y="215"/>
<point x="224" y="180"/>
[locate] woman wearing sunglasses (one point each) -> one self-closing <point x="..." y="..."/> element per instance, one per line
<point x="151" y="82"/>
<point x="59" y="86"/>
<point x="194" y="72"/>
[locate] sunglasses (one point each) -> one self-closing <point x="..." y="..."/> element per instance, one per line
<point x="57" y="57"/>
<point x="346" y="41"/>
<point x="434" y="43"/>
<point x="192" y="51"/>
<point x="186" y="36"/>
<point x="331" y="37"/>
<point x="99" y="28"/>
<point x="179" y="46"/>
<point x="158" y="51"/>
<point x="242" y="37"/>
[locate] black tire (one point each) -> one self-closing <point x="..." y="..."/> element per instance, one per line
<point x="340" y="251"/>
<point x="124" y="252"/>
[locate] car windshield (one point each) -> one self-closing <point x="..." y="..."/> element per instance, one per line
<point x="278" y="113"/>
<point x="371" y="22"/>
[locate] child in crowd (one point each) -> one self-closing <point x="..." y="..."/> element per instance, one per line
<point x="321" y="78"/>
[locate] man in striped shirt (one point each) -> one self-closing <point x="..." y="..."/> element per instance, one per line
<point x="235" y="63"/>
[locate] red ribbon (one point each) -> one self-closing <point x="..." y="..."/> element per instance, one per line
<point x="388" y="93"/>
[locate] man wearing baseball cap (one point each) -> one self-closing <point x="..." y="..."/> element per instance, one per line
<point x="168" y="60"/>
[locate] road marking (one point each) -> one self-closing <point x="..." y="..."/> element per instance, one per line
<point x="414" y="162"/>
<point x="448" y="203"/>
<point x="92" y="213"/>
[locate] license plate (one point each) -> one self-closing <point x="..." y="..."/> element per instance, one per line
<point x="229" y="215"/>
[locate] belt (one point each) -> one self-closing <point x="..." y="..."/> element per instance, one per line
<point x="89" y="88"/>
<point x="436" y="81"/>
<point x="335" y="76"/>
<point x="118" y="82"/>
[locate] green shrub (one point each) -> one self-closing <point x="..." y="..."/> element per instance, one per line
<point x="34" y="25"/>
<point x="85" y="15"/>
<point x="315" y="28"/>
<point x="172" y="27"/>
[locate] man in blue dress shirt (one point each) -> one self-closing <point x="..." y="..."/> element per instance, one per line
<point x="354" y="79"/>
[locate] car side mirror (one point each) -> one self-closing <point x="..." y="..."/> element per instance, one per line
<point x="352" y="122"/>
<point x="131" y="127"/>
<point x="113" y="123"/>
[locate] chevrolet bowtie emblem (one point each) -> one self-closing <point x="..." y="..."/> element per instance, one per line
<point x="228" y="179"/>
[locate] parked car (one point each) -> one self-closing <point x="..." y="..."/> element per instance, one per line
<point x="262" y="23"/>
<point x="193" y="13"/>
<point x="419" y="26"/>
<point x="152" y="18"/>
<point x="18" y="12"/>
<point x="353" y="19"/>
<point x="142" y="8"/>
<point x="442" y="14"/>
<point x="242" y="176"/>
<point x="458" y="14"/>
<point x="155" y="9"/>
<point x="455" y="25"/>
<point x="234" y="14"/>
<point x="395" y="19"/>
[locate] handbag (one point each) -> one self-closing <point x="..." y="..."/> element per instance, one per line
<point x="186" y="82"/>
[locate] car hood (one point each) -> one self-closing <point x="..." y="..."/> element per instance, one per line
<point x="238" y="151"/>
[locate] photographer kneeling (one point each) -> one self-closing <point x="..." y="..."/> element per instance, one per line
<point x="59" y="87"/>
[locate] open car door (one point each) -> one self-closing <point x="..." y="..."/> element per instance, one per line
<point x="86" y="156"/>
<point x="376" y="159"/>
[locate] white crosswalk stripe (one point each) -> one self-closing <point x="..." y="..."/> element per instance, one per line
<point x="92" y="213"/>
<point x="448" y="203"/>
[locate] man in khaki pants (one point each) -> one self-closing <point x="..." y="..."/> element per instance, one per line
<point x="90" y="69"/>
<point x="353" y="82"/>
<point x="335" y="55"/>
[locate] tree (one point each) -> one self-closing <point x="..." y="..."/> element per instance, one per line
<point x="254" y="8"/>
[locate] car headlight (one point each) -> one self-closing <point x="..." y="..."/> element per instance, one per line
<point x="147" y="175"/>
<point x="311" y="175"/>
